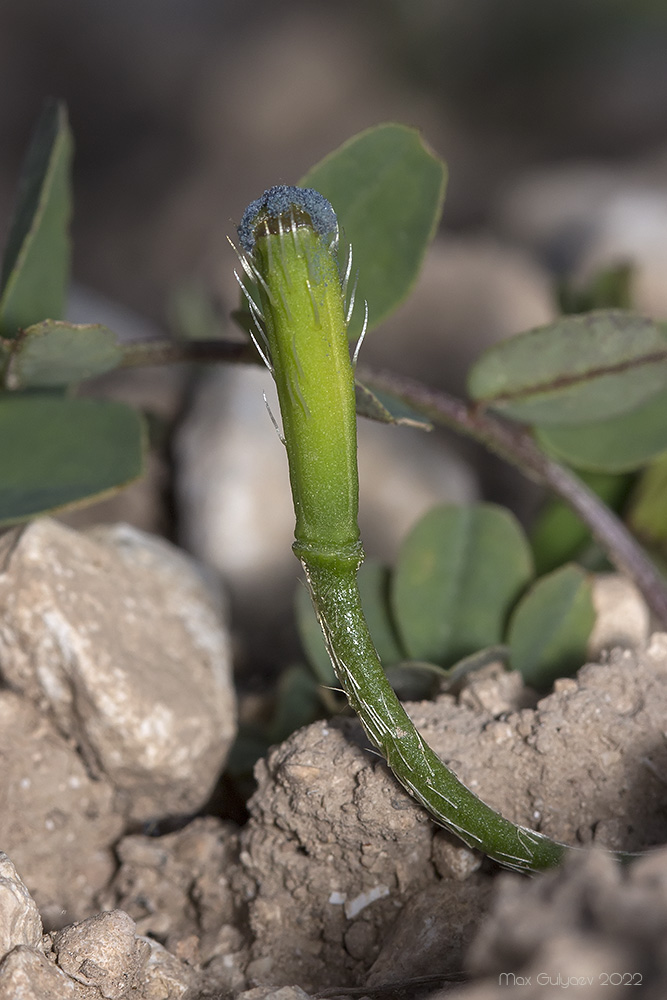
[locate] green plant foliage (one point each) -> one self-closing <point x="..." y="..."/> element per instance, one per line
<point x="59" y="452"/>
<point x="53" y="353"/>
<point x="374" y="583"/>
<point x="458" y="573"/>
<point x="35" y="268"/>
<point x="387" y="409"/>
<point x="558" y="535"/>
<point x="573" y="371"/>
<point x="550" y="626"/>
<point x="620" y="444"/>
<point x="387" y="189"/>
<point x="297" y="703"/>
<point x="610" y="288"/>
<point x="647" y="512"/>
<point x="311" y="638"/>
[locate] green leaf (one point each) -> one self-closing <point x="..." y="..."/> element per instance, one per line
<point x="53" y="353"/>
<point x="576" y="370"/>
<point x="620" y="444"/>
<point x="609" y="288"/>
<point x="647" y="513"/>
<point x="387" y="189"/>
<point x="414" y="680"/>
<point x="297" y="704"/>
<point x="458" y="573"/>
<point x="387" y="409"/>
<point x="549" y="628"/>
<point x="59" y="452"/>
<point x="558" y="535"/>
<point x="374" y="585"/>
<point x="311" y="638"/>
<point x="35" y="268"/>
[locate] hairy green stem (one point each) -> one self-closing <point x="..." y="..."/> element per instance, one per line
<point x="335" y="595"/>
<point x="290" y="244"/>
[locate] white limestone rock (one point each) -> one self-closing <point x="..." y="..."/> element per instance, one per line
<point x="20" y="922"/>
<point x="118" y="635"/>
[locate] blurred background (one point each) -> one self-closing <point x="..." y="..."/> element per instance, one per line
<point x="184" y="110"/>
<point x="550" y="114"/>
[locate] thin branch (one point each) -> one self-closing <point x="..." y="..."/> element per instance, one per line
<point x="516" y="445"/>
<point x="168" y="352"/>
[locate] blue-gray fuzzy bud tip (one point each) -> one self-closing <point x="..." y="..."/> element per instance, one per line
<point x="278" y="201"/>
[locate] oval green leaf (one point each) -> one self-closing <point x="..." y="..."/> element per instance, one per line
<point x="576" y="370"/>
<point x="620" y="444"/>
<point x="59" y="452"/>
<point x="387" y="189"/>
<point x="459" y="572"/>
<point x="53" y="353"/>
<point x="35" y="268"/>
<point x="549" y="628"/>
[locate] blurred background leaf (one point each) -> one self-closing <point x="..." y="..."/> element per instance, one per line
<point x="59" y="453"/>
<point x="619" y="444"/>
<point x="647" y="509"/>
<point x="35" y="267"/>
<point x="577" y="369"/>
<point x="387" y="189"/>
<point x="458" y="573"/>
<point x="54" y="353"/>
<point x="558" y="536"/>
<point x="550" y="626"/>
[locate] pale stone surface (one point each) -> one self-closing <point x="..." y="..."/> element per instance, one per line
<point x="53" y="809"/>
<point x="429" y="933"/>
<point x="20" y="922"/>
<point x="104" y="952"/>
<point x="269" y="993"/>
<point x="164" y="976"/>
<point x="118" y="635"/>
<point x="26" y="974"/>
<point x="623" y="618"/>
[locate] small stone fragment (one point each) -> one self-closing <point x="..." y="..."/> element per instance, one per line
<point x="431" y="931"/>
<point x="270" y="993"/>
<point x="164" y="977"/>
<point x="25" y="974"/>
<point x="622" y="616"/>
<point x="20" y="922"/>
<point x="104" y="952"/>
<point x="451" y="857"/>
<point x="57" y="812"/>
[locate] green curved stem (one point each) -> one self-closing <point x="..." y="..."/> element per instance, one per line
<point x="333" y="588"/>
<point x="302" y="316"/>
